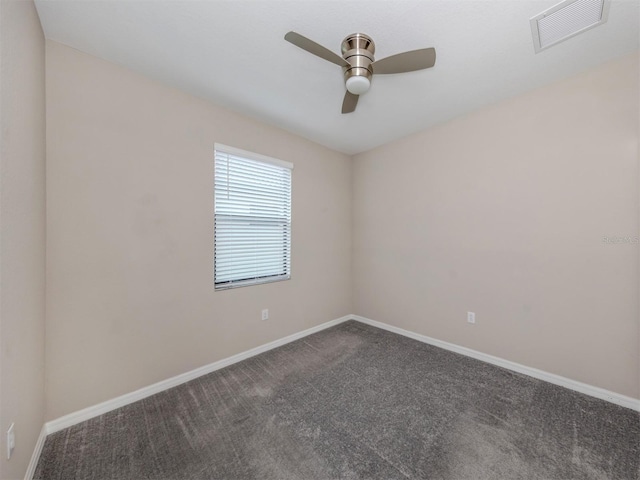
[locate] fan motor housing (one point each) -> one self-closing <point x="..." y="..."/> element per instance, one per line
<point x="358" y="49"/>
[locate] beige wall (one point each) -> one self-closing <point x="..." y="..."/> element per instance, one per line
<point x="503" y="212"/>
<point x="22" y="231"/>
<point x="130" y="232"/>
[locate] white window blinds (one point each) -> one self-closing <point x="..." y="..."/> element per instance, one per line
<point x="252" y="218"/>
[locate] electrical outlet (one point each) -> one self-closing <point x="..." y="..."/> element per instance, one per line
<point x="471" y="317"/>
<point x="11" y="441"/>
<point x="265" y="314"/>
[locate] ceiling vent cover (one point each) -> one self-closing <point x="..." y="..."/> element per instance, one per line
<point x="565" y="20"/>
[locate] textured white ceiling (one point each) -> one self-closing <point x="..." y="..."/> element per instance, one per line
<point x="233" y="53"/>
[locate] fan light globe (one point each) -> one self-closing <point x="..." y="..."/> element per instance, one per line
<point x="358" y="85"/>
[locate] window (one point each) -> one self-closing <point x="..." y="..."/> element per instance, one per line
<point x="252" y="219"/>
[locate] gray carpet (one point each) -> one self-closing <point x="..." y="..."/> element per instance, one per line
<point x="354" y="401"/>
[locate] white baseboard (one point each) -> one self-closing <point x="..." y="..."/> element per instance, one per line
<point x="104" y="407"/>
<point x="597" y="392"/>
<point x="35" y="456"/>
<point x="96" y="410"/>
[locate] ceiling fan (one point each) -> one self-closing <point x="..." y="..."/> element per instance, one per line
<point x="359" y="65"/>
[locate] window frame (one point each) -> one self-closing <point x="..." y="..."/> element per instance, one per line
<point x="259" y="158"/>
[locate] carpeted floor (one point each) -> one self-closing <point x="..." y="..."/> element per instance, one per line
<point x="349" y="402"/>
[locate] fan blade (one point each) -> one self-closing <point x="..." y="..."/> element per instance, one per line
<point x="406" y="62"/>
<point x="315" y="48"/>
<point x="349" y="103"/>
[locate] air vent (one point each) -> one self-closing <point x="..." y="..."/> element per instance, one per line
<point x="566" y="20"/>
